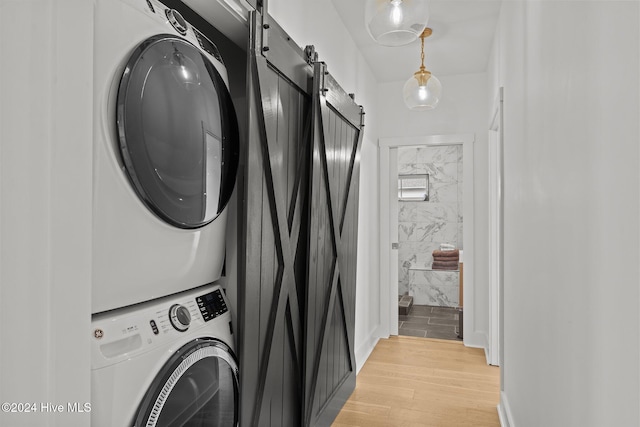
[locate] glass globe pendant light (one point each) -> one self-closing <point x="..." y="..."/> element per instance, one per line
<point x="396" y="22"/>
<point x="423" y="90"/>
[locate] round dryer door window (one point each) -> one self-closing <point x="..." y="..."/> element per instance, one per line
<point x="178" y="131"/>
<point x="197" y="387"/>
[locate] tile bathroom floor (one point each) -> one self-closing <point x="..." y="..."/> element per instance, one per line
<point x="430" y="322"/>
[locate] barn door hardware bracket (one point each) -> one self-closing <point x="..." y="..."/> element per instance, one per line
<point x="362" y="113"/>
<point x="323" y="81"/>
<point x="264" y="30"/>
<point x="311" y="54"/>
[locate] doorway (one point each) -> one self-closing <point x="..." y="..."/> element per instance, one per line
<point x="389" y="269"/>
<point x="430" y="240"/>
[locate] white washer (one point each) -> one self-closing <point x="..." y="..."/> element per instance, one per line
<point x="165" y="154"/>
<point x="164" y="363"/>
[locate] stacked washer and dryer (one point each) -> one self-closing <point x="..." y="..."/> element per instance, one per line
<point x="165" y="159"/>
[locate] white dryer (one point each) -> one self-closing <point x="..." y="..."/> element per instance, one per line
<point x="165" y="154"/>
<point x="167" y="362"/>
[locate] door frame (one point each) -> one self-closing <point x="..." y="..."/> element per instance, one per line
<point x="496" y="231"/>
<point x="388" y="221"/>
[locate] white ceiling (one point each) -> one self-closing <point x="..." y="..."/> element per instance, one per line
<point x="461" y="42"/>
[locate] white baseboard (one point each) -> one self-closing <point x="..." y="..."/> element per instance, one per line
<point x="363" y="352"/>
<point x="504" y="412"/>
<point x="485" y="346"/>
<point x="476" y="340"/>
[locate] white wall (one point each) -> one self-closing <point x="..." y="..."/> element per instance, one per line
<point x="46" y="137"/>
<point x="462" y="109"/>
<point x="316" y="22"/>
<point x="571" y="234"/>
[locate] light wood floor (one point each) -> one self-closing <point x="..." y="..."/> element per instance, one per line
<point x="409" y="382"/>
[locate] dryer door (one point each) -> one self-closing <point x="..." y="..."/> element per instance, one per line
<point x="198" y="386"/>
<point x="178" y="131"/>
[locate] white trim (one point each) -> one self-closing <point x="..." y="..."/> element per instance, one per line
<point x="473" y="339"/>
<point x="468" y="240"/>
<point x="478" y="339"/>
<point x="504" y="412"/>
<point x="418" y="141"/>
<point x="487" y="352"/>
<point x="496" y="221"/>
<point x="389" y="284"/>
<point x="386" y="320"/>
<point x="393" y="207"/>
<point x="363" y="352"/>
<point x="494" y="261"/>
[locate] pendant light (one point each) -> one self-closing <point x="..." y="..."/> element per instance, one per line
<point x="422" y="91"/>
<point x="396" y="22"/>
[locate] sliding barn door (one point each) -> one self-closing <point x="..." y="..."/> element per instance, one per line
<point x="272" y="262"/>
<point x="333" y="229"/>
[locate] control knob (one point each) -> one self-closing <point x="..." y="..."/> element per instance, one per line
<point x="179" y="317"/>
<point x="177" y="21"/>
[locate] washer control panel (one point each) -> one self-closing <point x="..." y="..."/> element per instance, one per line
<point x="182" y="26"/>
<point x="211" y="305"/>
<point x="177" y="21"/>
<point x="120" y="334"/>
<point x="179" y="317"/>
<point x="207" y="45"/>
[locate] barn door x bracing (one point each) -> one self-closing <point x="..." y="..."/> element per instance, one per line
<point x="298" y="247"/>
<point x="333" y="231"/>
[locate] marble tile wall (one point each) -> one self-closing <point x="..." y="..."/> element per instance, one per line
<point x="434" y="287"/>
<point x="424" y="225"/>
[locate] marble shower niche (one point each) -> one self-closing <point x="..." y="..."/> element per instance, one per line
<point x="424" y="225"/>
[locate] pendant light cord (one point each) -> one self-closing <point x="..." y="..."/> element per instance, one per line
<point x="422" y="52"/>
<point x="426" y="33"/>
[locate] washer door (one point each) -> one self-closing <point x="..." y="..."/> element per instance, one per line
<point x="178" y="131"/>
<point x="197" y="387"/>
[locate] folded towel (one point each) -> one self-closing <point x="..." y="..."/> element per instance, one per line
<point x="445" y="264"/>
<point x="448" y="261"/>
<point x="445" y="257"/>
<point x="447" y="247"/>
<point x="454" y="253"/>
<point x="443" y="268"/>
